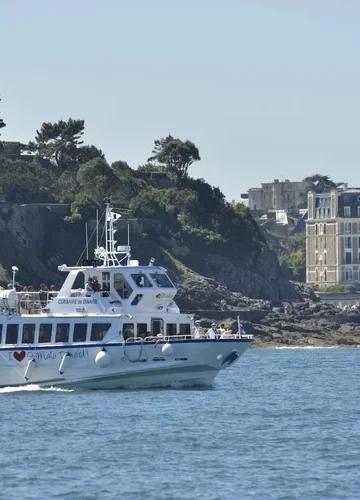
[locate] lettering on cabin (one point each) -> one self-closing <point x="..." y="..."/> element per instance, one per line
<point x="45" y="355"/>
<point x="77" y="301"/>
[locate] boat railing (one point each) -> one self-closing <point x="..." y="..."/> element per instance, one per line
<point x="169" y="338"/>
<point x="34" y="302"/>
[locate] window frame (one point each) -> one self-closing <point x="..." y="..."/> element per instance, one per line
<point x="77" y="325"/>
<point x="154" y="279"/>
<point x="56" y="333"/>
<point x="104" y="331"/>
<point x="51" y="332"/>
<point x="9" y="325"/>
<point x="24" y="325"/>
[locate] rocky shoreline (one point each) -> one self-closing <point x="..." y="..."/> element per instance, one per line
<point x="302" y="324"/>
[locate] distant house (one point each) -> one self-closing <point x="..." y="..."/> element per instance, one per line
<point x="333" y="237"/>
<point x="277" y="195"/>
<point x="15" y="150"/>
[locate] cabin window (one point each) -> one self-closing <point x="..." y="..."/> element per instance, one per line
<point x="128" y="330"/>
<point x="141" y="280"/>
<point x="137" y="299"/>
<point x="171" y="329"/>
<point x="62" y="332"/>
<point x="80" y="332"/>
<point x="161" y="280"/>
<point x="142" y="330"/>
<point x="99" y="330"/>
<point x="157" y="326"/>
<point x="28" y="333"/>
<point x="122" y="286"/>
<point x="105" y="284"/>
<point x="184" y="329"/>
<point x="45" y="332"/>
<point x="78" y="285"/>
<point x="12" y="334"/>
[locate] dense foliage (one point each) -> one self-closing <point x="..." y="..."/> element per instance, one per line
<point x="292" y="257"/>
<point x="168" y="204"/>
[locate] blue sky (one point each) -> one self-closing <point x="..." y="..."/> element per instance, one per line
<point x="265" y="88"/>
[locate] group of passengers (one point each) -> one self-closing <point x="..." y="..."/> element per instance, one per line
<point x="32" y="301"/>
<point x="214" y="332"/>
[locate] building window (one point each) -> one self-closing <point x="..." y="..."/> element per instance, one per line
<point x="45" y="333"/>
<point x="348" y="242"/>
<point x="325" y="275"/>
<point x="347" y="257"/>
<point x="62" y="332"/>
<point x="358" y="211"/>
<point x="347" y="227"/>
<point x="325" y="258"/>
<point x="12" y="334"/>
<point x="348" y="275"/>
<point x="347" y="211"/>
<point x="316" y="229"/>
<point x="324" y="229"/>
<point x="1" y="327"/>
<point x="28" y="333"/>
<point x="80" y="332"/>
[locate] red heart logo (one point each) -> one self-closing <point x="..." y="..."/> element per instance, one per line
<point x="19" y="356"/>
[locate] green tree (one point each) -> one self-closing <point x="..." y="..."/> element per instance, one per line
<point x="59" y="141"/>
<point x="176" y="156"/>
<point x="320" y="183"/>
<point x="98" y="180"/>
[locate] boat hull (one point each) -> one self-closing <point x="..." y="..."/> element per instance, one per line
<point x="123" y="365"/>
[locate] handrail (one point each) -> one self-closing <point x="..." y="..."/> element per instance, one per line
<point x="35" y="302"/>
<point x="169" y="338"/>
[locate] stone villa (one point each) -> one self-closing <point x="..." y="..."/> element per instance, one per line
<point x="277" y="195"/>
<point x="333" y="237"/>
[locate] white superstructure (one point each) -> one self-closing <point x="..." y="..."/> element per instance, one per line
<point x="114" y="323"/>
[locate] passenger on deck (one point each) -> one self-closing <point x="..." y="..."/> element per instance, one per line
<point x="213" y="332"/>
<point x="43" y="295"/>
<point x="198" y="331"/>
<point x="89" y="288"/>
<point x="96" y="285"/>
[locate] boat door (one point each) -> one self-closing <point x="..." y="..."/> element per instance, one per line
<point x="157" y="326"/>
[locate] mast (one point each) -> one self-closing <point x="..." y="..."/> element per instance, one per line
<point x="112" y="255"/>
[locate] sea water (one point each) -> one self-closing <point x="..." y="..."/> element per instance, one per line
<point x="280" y="424"/>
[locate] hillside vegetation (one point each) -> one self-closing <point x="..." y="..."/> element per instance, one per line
<point x="183" y="221"/>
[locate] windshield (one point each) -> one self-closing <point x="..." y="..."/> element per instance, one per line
<point x="161" y="280"/>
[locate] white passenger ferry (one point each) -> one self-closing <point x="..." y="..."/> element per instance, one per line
<point x="113" y="324"/>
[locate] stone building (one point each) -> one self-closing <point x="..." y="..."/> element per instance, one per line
<point x="277" y="195"/>
<point x="333" y="237"/>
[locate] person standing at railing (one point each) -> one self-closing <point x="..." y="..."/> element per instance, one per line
<point x="43" y="295"/>
<point x="198" y="331"/>
<point x="213" y="332"/>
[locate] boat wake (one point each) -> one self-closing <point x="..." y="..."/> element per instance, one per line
<point x="32" y="388"/>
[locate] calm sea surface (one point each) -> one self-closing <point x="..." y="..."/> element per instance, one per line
<point x="282" y="423"/>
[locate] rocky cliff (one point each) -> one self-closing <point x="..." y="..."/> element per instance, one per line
<point x="36" y="239"/>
